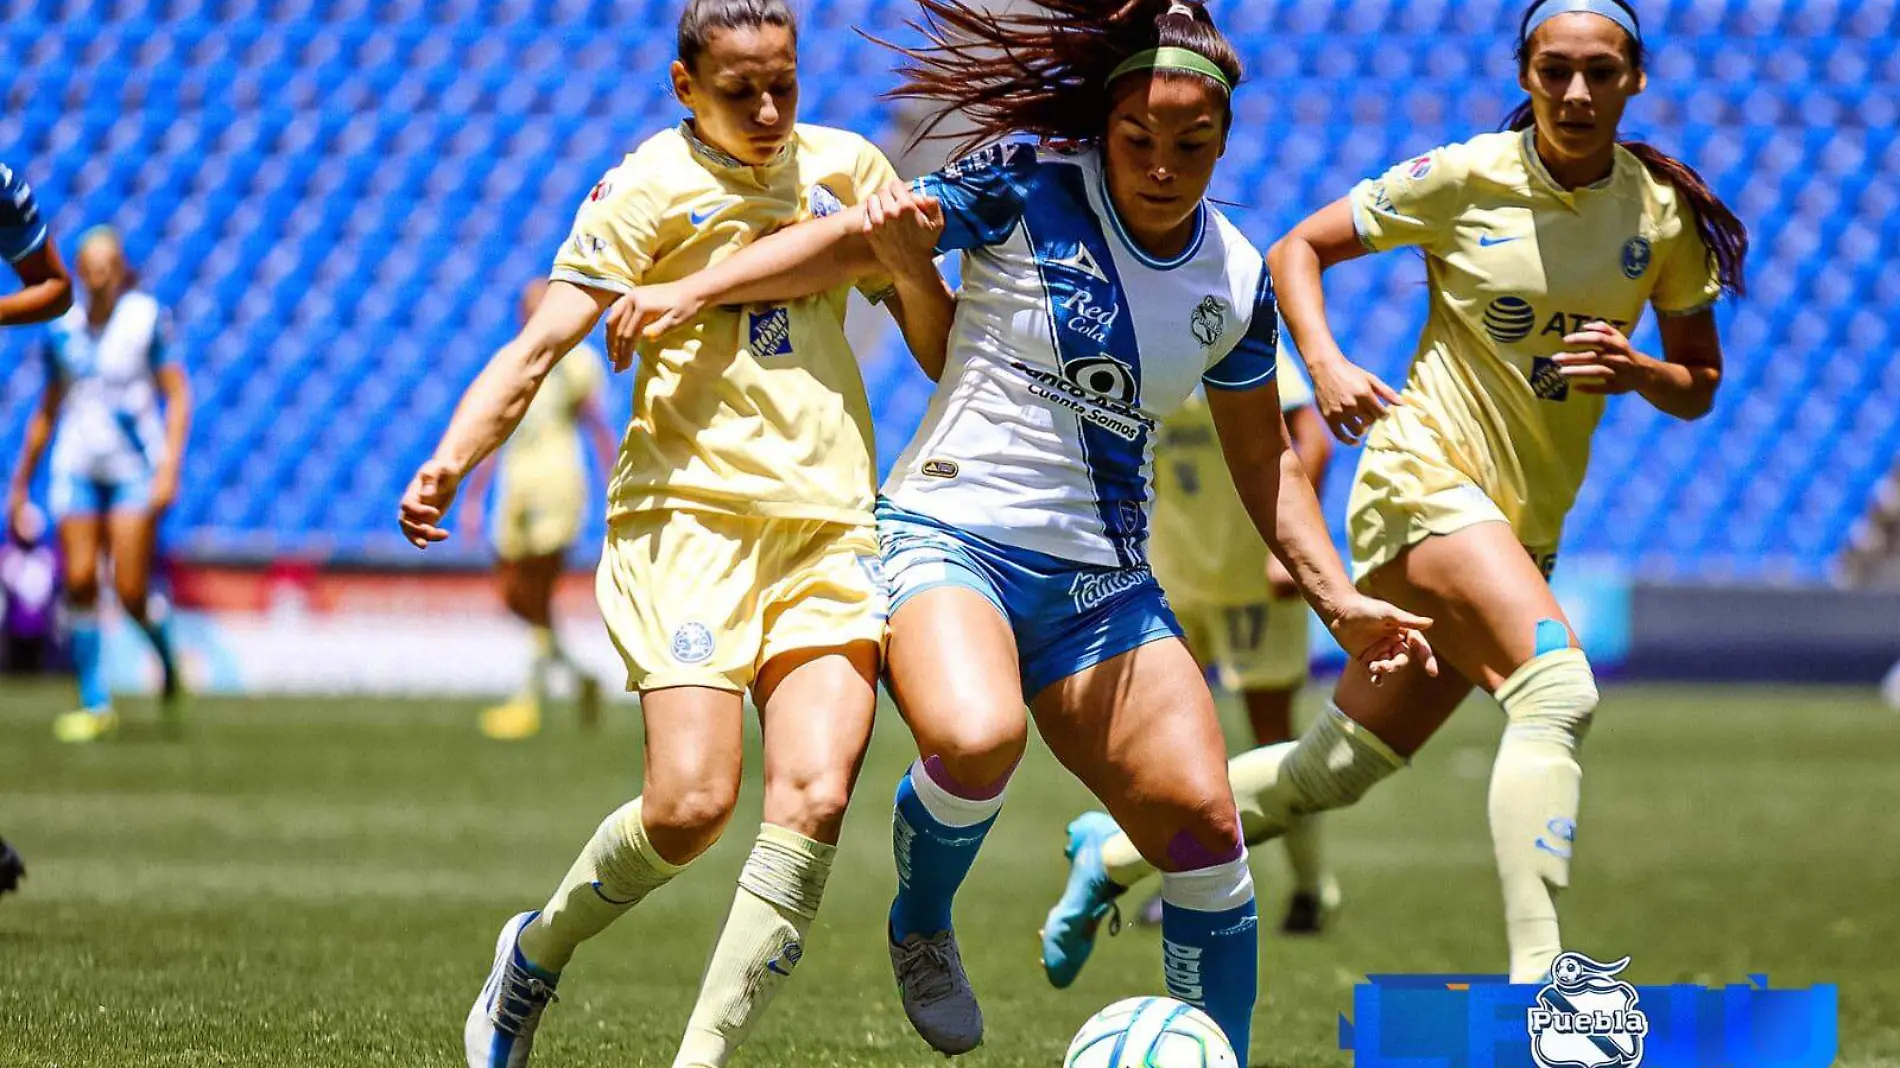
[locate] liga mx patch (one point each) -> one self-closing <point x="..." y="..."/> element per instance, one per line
<point x="692" y="643"/>
<point x="769" y="333"/>
<point x="824" y="202"/>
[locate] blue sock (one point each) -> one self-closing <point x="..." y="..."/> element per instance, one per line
<point x="937" y="834"/>
<point x="1210" y="945"/>
<point x="87" y="661"/>
<point x="159" y="630"/>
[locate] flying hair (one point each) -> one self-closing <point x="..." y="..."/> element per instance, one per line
<point x="1046" y="73"/>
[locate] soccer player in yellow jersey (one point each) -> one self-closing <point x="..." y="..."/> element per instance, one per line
<point x="1241" y="611"/>
<point x="741" y="553"/>
<point x="1543" y="245"/>
<point x="537" y="517"/>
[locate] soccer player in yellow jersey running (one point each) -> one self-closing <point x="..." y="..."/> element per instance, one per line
<point x="1242" y="612"/>
<point x="537" y="517"/>
<point x="1542" y="245"/>
<point x="741" y="552"/>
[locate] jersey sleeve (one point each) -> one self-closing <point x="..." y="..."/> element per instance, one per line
<point x="22" y="229"/>
<point x="982" y="195"/>
<point x="1411" y="205"/>
<point x="873" y="171"/>
<point x="164" y="351"/>
<point x="1253" y="361"/>
<point x="1688" y="282"/>
<point x="614" y="236"/>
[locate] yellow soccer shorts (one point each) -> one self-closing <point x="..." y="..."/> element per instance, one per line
<point x="1259" y="646"/>
<point x="529" y="524"/>
<point x="1401" y="497"/>
<point x="705" y="599"/>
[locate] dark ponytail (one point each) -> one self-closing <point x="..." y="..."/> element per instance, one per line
<point x="1045" y="73"/>
<point x="1722" y="232"/>
<point x="703" y="18"/>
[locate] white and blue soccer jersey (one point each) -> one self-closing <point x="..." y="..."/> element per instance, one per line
<point x="110" y="427"/>
<point x="1070" y="346"/>
<point x="22" y="230"/>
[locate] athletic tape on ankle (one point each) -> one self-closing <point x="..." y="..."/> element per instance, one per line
<point x="788" y="870"/>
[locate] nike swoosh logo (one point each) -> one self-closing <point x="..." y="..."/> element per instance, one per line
<point x="1487" y="241"/>
<point x="772" y="966"/>
<point x="698" y="218"/>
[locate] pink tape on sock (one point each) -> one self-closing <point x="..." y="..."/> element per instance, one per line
<point x="1187" y="853"/>
<point x="933" y="767"/>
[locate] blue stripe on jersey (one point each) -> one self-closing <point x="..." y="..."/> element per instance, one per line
<point x="22" y="230"/>
<point x="1255" y="358"/>
<point x="1095" y="341"/>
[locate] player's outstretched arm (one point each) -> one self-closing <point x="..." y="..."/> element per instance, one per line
<point x="39" y="432"/>
<point x="494" y="403"/>
<point x="47" y="292"/>
<point x="1273" y="486"/>
<point x="1350" y="398"/>
<point x="798" y="261"/>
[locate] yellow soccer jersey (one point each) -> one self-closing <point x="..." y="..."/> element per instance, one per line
<point x="1204" y="547"/>
<point x="1515" y="263"/>
<point x="546" y="446"/>
<point x="754" y="411"/>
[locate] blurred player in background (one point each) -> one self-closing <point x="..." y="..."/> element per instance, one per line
<point x="742" y="550"/>
<point x="46" y="291"/>
<point x="1543" y="244"/>
<point x="117" y="410"/>
<point x="1242" y="612"/>
<point x="536" y="517"/>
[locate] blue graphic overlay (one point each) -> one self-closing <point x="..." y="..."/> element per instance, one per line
<point x="1482" y="1021"/>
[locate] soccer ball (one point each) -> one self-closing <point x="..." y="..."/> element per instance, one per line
<point x="1150" y="1033"/>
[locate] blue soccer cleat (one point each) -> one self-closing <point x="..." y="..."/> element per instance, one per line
<point x="1068" y="935"/>
<point x="500" y="1029"/>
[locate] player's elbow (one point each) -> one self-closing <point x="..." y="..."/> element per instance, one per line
<point x="61" y="300"/>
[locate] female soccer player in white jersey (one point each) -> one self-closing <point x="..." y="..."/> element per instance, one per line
<point x="741" y="553"/>
<point x="117" y="409"/>
<point x="1099" y="289"/>
<point x="1542" y="245"/>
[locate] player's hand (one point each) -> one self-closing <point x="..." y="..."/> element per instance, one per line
<point x="426" y="503"/>
<point x="647" y="313"/>
<point x="1382" y="637"/>
<point x="1280" y="581"/>
<point x="1350" y="398"/>
<point x="903" y="226"/>
<point x="164" y="489"/>
<point x="1604" y="364"/>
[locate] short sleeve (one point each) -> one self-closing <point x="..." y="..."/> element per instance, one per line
<point x="1253" y="361"/>
<point x="1411" y="205"/>
<point x="871" y="173"/>
<point x="615" y="232"/>
<point x="982" y="195"/>
<point x="1688" y="281"/>
<point x="22" y="229"/>
<point x="164" y="351"/>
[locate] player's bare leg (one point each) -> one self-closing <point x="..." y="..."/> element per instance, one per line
<point x="966" y="712"/>
<point x="132" y="537"/>
<point x="81" y="540"/>
<point x="527" y="587"/>
<point x="816" y="707"/>
<point x="694" y="751"/>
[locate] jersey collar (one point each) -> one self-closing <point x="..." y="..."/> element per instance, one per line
<point x="1540" y="175"/>
<point x="1128" y="242"/>
<point x="720" y="158"/>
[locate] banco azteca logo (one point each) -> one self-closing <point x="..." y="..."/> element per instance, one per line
<point x="1585" y="1017"/>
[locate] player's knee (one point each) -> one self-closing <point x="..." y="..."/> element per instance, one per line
<point x="1552" y="698"/>
<point x="134" y="600"/>
<point x="691" y="819"/>
<point x="82" y="589"/>
<point x="812" y="804"/>
<point x="983" y="755"/>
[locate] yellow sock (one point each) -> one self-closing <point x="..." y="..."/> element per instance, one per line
<point x="763" y="940"/>
<point x="616" y="871"/>
<point x="1536" y="787"/>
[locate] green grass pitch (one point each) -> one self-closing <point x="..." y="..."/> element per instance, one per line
<point x="319" y="883"/>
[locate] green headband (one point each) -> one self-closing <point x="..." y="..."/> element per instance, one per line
<point x="1181" y="60"/>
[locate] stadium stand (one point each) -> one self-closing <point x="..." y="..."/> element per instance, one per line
<point x="339" y="197"/>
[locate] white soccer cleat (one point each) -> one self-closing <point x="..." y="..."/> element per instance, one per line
<point x="936" y="992"/>
<point x="500" y="1028"/>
